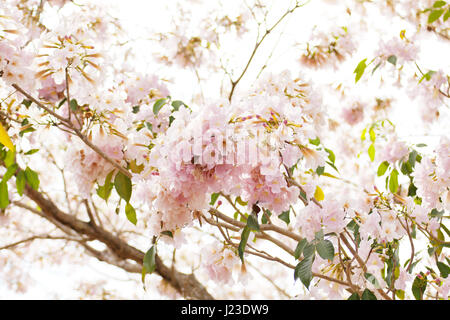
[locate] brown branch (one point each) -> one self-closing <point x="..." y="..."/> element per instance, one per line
<point x="257" y="45"/>
<point x="266" y="256"/>
<point x="361" y="263"/>
<point x="36" y="237"/>
<point x="186" y="284"/>
<point x="108" y="257"/>
<point x="264" y="227"/>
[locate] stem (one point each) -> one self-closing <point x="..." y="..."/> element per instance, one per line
<point x="257" y="45"/>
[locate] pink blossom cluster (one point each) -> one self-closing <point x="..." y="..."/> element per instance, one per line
<point x="392" y="150"/>
<point x="51" y="91"/>
<point x="381" y="224"/>
<point x="64" y="53"/>
<point x="404" y="50"/>
<point x="330" y="217"/>
<point x="240" y="149"/>
<point x="354" y="114"/>
<point x="432" y="177"/>
<point x="328" y="48"/>
<point x="87" y="166"/>
<point x="220" y="263"/>
<point x="15" y="61"/>
<point x="427" y="94"/>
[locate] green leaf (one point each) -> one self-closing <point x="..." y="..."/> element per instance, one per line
<point x="167" y="233"/>
<point x="32" y="151"/>
<point x="315" y="141"/>
<point x="419" y="286"/>
<point x="171" y="119"/>
<point x="331" y="155"/>
<point x="406" y="168"/>
<point x="392" y="59"/>
<point x="368" y="295"/>
<point x="243" y="242"/>
<point x="443" y="269"/>
<point x="32" y="178"/>
<point x="434" y="15"/>
<point x="61" y="102"/>
<point x="158" y="105"/>
<point x="393" y="181"/>
<point x="285" y="217"/>
<point x="319" y="235"/>
<point x="445" y="229"/>
<point x="354" y="227"/>
<point x="309" y="250"/>
<point x="10" y="158"/>
<point x="427" y="76"/>
<point x="214" y="198"/>
<point x="320" y="170"/>
<point x="241" y="202"/>
<point x="252" y="222"/>
<point x="372" y="135"/>
<point x="20" y="182"/>
<point x="149" y="262"/>
<point x="382" y="168"/>
<point x="130" y="213"/>
<point x="400" y="294"/>
<point x="299" y="249"/>
<point x="73" y="105"/>
<point x="303" y="271"/>
<point x="419" y="158"/>
<point x="412" y="190"/>
<point x="376" y="67"/>
<point x="318" y="194"/>
<point x="447" y="15"/>
<point x="439" y="4"/>
<point x="134" y="167"/>
<point x="421" y="145"/>
<point x="363" y="134"/>
<point x="325" y="249"/>
<point x="4" y="196"/>
<point x="354" y="296"/>
<point x="359" y="70"/>
<point x="10" y="172"/>
<point x="123" y="186"/>
<point x="412" y="158"/>
<point x="177" y="104"/>
<point x="371" y="152"/>
<point x="264" y="218"/>
<point x="371" y="278"/>
<point x="136" y="109"/>
<point x="105" y="191"/>
<point x="27" y="103"/>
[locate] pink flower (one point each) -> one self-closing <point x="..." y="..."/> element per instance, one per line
<point x="309" y="220"/>
<point x="404" y="51"/>
<point x="144" y="86"/>
<point x="291" y="154"/>
<point x="443" y="160"/>
<point x="219" y="264"/>
<point x="427" y="187"/>
<point x="353" y="115"/>
<point x="51" y="91"/>
<point x="314" y="158"/>
<point x="393" y="150"/>
<point x="370" y="226"/>
<point x="402" y="280"/>
<point x="333" y="216"/>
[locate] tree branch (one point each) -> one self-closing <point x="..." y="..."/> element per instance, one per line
<point x="186" y="284"/>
